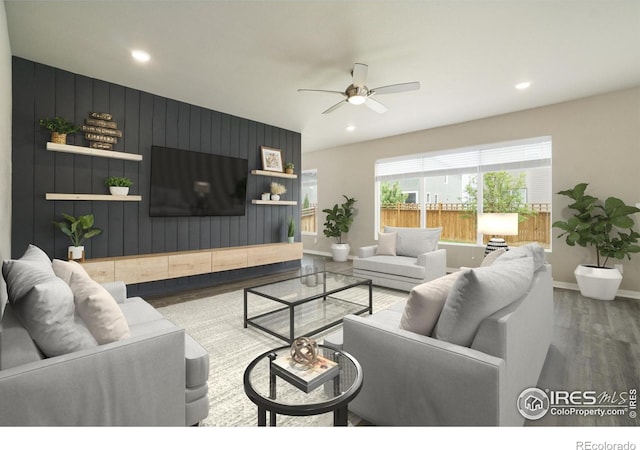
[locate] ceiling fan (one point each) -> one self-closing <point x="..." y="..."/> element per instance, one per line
<point x="357" y="93"/>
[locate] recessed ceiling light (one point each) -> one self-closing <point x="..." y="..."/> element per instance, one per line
<point x="140" y="55"/>
<point x="524" y="85"/>
<point x="350" y="127"/>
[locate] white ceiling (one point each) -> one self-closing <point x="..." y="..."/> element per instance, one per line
<point x="248" y="58"/>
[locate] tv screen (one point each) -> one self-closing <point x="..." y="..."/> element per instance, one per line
<point x="186" y="183"/>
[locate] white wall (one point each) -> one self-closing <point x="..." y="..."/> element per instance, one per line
<point x="595" y="140"/>
<point x="5" y="146"/>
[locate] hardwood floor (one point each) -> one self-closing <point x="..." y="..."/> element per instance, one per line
<point x="595" y="347"/>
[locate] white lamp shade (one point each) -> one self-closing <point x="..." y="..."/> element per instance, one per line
<point x="498" y="224"/>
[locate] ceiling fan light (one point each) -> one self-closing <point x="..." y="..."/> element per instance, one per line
<point x="357" y="99"/>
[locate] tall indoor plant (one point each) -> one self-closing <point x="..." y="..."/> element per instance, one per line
<point x="607" y="227"/>
<point x="338" y="222"/>
<point x="78" y="229"/>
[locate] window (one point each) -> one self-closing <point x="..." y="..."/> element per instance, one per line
<point x="453" y="186"/>
<point x="309" y="201"/>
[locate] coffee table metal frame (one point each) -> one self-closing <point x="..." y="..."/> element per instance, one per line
<point x="337" y="404"/>
<point x="291" y="305"/>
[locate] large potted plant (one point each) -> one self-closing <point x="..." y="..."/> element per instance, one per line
<point x="607" y="227"/>
<point x="59" y="128"/>
<point x="338" y="221"/>
<point x="78" y="230"/>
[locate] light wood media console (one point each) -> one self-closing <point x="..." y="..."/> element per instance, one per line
<point x="162" y="266"/>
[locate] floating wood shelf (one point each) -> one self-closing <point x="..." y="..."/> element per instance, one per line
<point x="101" y="197"/>
<point x="53" y="147"/>
<point x="266" y="173"/>
<point x="274" y="202"/>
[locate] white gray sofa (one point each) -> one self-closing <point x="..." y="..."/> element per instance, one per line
<point x="155" y="375"/>
<point x="403" y="258"/>
<point x="478" y="355"/>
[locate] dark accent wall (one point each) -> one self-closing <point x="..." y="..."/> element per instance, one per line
<point x="145" y="119"/>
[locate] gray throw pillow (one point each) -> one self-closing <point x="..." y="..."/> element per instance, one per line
<point x="480" y="292"/>
<point x="533" y="250"/>
<point x="47" y="312"/>
<point x="415" y="241"/>
<point x="44" y="304"/>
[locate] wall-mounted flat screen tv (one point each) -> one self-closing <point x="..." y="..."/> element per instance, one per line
<point x="187" y="183"/>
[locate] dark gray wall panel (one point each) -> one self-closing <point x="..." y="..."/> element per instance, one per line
<point x="145" y="119"/>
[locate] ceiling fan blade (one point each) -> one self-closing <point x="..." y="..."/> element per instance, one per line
<point x="321" y="90"/>
<point x="359" y="74"/>
<point x="395" y="88"/>
<point x="375" y="105"/>
<point x="334" y="107"/>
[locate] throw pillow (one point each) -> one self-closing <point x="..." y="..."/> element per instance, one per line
<point x="47" y="312"/>
<point x="425" y="303"/>
<point x="33" y="267"/>
<point x="386" y="244"/>
<point x="489" y="259"/>
<point x="477" y="294"/>
<point x="533" y="250"/>
<point x="64" y="269"/>
<point x="98" y="309"/>
<point x="415" y="241"/>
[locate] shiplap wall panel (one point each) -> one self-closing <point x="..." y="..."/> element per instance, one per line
<point x="145" y="119"/>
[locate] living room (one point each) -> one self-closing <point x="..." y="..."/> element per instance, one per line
<point x="592" y="124"/>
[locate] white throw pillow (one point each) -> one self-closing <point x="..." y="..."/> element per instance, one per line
<point x="491" y="257"/>
<point x="386" y="244"/>
<point x="425" y="304"/>
<point x="98" y="309"/>
<point x="533" y="250"/>
<point x="477" y="294"/>
<point x="64" y="269"/>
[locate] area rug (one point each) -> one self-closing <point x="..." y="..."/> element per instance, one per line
<point x="217" y="324"/>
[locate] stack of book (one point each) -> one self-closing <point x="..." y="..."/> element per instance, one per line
<point x="101" y="131"/>
<point x="305" y="377"/>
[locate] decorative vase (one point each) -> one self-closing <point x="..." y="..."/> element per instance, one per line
<point x="118" y="190"/>
<point x="266" y="196"/>
<point x="275" y="197"/>
<point x="75" y="253"/>
<point x="58" y="138"/>
<point x="340" y="252"/>
<point x="600" y="283"/>
<point x="289" y="171"/>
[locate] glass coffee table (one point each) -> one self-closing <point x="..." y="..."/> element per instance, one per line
<point x="307" y="304"/>
<point x="271" y="393"/>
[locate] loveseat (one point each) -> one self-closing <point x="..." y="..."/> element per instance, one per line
<point x="459" y="350"/>
<point x="403" y="258"/>
<point x="74" y="352"/>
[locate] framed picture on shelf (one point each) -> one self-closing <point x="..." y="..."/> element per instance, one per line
<point x="271" y="159"/>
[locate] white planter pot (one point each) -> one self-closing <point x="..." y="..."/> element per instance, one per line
<point x="75" y="253"/>
<point x="275" y="197"/>
<point x="598" y="283"/>
<point x="118" y="190"/>
<point x="290" y="239"/>
<point x="340" y="252"/>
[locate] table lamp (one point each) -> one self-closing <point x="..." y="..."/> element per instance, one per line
<point x="497" y="224"/>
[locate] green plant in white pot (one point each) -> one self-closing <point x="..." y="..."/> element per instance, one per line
<point x="291" y="230"/>
<point x="338" y="222"/>
<point x="608" y="228"/>
<point x="118" y="185"/>
<point x="78" y="230"/>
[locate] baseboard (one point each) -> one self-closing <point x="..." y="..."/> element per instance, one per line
<point x="574" y="287"/>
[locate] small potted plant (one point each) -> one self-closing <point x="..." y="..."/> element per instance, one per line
<point x="288" y="168"/>
<point x="291" y="230"/>
<point x="59" y="128"/>
<point x="118" y="185"/>
<point x="78" y="230"/>
<point x="607" y="227"/>
<point x="277" y="190"/>
<point x="338" y="221"/>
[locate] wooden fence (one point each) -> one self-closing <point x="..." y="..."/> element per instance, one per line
<point x="459" y="225"/>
